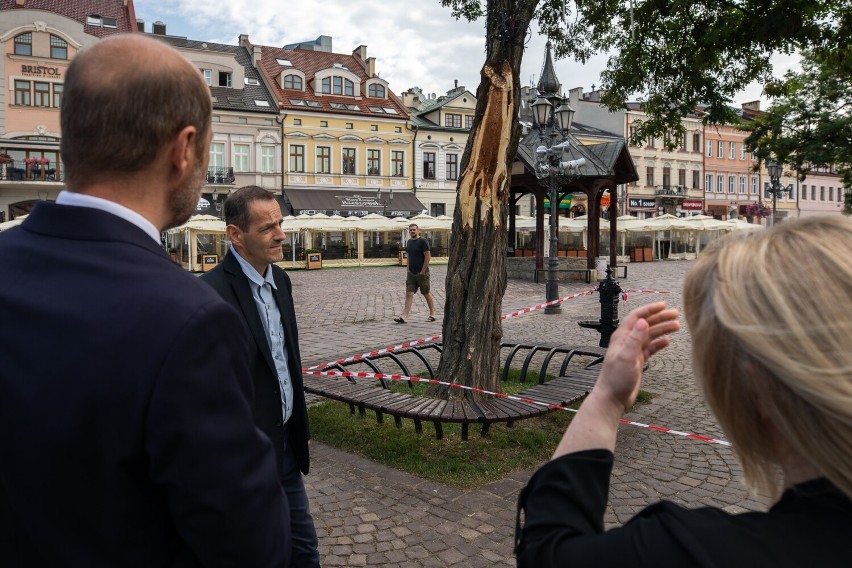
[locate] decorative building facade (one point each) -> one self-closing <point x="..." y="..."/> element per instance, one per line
<point x="441" y="128"/>
<point x="38" y="40"/>
<point x="346" y="138"/>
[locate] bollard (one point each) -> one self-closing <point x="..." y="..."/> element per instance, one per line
<point x="607" y="324"/>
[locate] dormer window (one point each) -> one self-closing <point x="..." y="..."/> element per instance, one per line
<point x="224" y="79"/>
<point x="292" y="82"/>
<point x="376" y="91"/>
<point x="337" y="85"/>
<point x="24" y="44"/>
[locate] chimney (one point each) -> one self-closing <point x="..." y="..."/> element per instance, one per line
<point x="371" y="66"/>
<point x="360" y="53"/>
<point x="456" y="84"/>
<point x="255" y="55"/>
<point x="753" y="105"/>
<point x="140" y="26"/>
<point x="20" y="2"/>
<point x="158" y="28"/>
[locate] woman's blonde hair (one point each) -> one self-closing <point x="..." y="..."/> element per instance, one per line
<point x="770" y="315"/>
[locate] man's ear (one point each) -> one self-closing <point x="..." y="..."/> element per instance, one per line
<point x="183" y="150"/>
<point x="235" y="235"/>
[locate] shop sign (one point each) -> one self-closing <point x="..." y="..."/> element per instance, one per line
<point x="692" y="205"/>
<point x="41" y="70"/>
<point x="636" y="203"/>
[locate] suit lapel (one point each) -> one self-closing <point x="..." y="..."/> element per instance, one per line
<point x="242" y="290"/>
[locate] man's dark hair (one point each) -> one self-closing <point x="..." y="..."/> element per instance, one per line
<point x="116" y="115"/>
<point x="237" y="205"/>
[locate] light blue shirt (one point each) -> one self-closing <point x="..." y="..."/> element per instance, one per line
<point x="273" y="327"/>
<point x="129" y="215"/>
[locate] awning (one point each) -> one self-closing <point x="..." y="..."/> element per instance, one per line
<point x="352" y="202"/>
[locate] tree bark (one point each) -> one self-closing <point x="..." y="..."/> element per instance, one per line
<point x="476" y="274"/>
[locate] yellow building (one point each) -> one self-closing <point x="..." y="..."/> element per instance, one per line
<point x="346" y="138"/>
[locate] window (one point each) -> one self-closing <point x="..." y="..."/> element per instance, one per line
<point x="805" y="192"/>
<point x="374" y="162"/>
<point x="292" y="82"/>
<point x="217" y="155"/>
<point x="683" y="142"/>
<point x="428" y="165"/>
<point x="42" y="94"/>
<point x="732" y="180"/>
<point x="754" y="185"/>
<point x="376" y="91"/>
<point x="649" y="176"/>
<point x="216" y="118"/>
<point x="323" y="160"/>
<point x="224" y="79"/>
<point x="338" y="86"/>
<point x="397" y="163"/>
<point x="208" y="76"/>
<point x="720" y="184"/>
<point x="681" y="178"/>
<point x="468" y="122"/>
<point x="667" y="177"/>
<point x="242" y="120"/>
<point x="349" y="126"/>
<point x="813" y="193"/>
<point x="709" y="148"/>
<point x="267" y="159"/>
<point x="696" y="179"/>
<point x="732" y="150"/>
<point x="348" y="161"/>
<point x="297" y="158"/>
<point x="57" y="95"/>
<point x="58" y="48"/>
<point x="631" y="134"/>
<point x="241" y="157"/>
<point x="374" y="127"/>
<point x="742" y="185"/>
<point x="708" y="183"/>
<point x="742" y="151"/>
<point x="297" y="122"/>
<point x="822" y="193"/>
<point x="696" y="142"/>
<point x="267" y="122"/>
<point x="452" y="120"/>
<point x="397" y="129"/>
<point x="22" y="93"/>
<point x="453" y="166"/>
<point x="839" y="195"/>
<point x="24" y="44"/>
<point x="720" y="153"/>
<point x="323" y="124"/>
<point x="438" y="209"/>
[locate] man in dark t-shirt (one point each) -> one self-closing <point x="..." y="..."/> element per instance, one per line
<point x="418" y="273"/>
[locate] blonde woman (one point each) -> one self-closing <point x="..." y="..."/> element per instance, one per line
<point x="770" y="316"/>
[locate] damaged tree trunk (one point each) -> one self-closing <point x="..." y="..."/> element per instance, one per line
<point x="476" y="273"/>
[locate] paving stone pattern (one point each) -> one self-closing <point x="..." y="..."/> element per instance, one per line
<point x="370" y="515"/>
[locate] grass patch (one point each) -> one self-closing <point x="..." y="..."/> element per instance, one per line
<point x="451" y="461"/>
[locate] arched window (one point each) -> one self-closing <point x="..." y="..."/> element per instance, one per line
<point x="24" y="44"/>
<point x="292" y="82"/>
<point x="377" y="91"/>
<point x="58" y="48"/>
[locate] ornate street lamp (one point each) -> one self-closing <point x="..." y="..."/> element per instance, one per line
<point x="552" y="117"/>
<point x="384" y="202"/>
<point x="775" y="188"/>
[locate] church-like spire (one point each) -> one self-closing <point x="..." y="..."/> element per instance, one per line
<point x="548" y="84"/>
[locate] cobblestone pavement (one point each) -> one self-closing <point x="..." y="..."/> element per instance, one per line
<point x="370" y="515"/>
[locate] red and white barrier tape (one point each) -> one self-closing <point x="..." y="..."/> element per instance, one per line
<point x="365" y="375"/>
<point x="407" y="344"/>
<point x="648" y="291"/>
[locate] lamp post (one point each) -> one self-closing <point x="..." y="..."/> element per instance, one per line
<point x="552" y="117"/>
<point x="384" y="202"/>
<point x="775" y="188"/>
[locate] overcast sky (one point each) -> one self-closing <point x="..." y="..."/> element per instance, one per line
<point x="415" y="42"/>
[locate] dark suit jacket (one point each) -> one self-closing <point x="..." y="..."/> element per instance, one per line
<point x="126" y="434"/>
<point x="228" y="279"/>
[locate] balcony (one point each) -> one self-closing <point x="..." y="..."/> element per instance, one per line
<point x="33" y="171"/>
<point x="220" y="176"/>
<point x="670" y="190"/>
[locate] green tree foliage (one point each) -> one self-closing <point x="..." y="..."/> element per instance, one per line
<point x="675" y="55"/>
<point x="810" y="122"/>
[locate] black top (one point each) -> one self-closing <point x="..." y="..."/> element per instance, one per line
<point x="416" y="249"/>
<point x="564" y="505"/>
